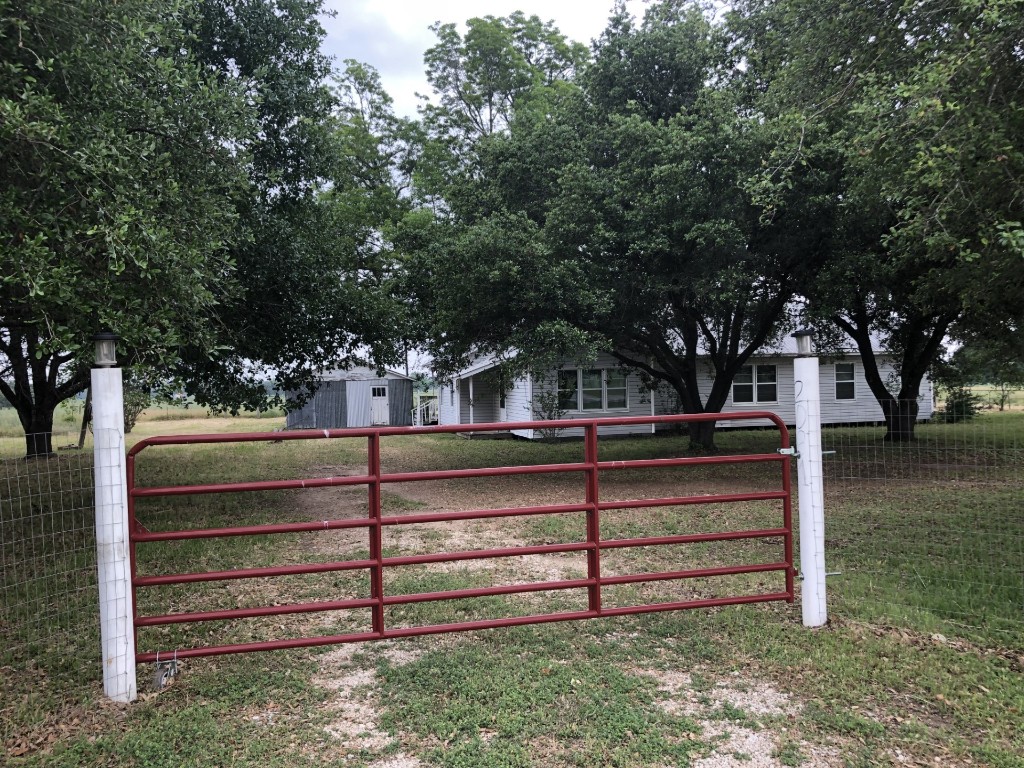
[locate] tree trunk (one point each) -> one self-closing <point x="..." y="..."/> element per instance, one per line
<point x="86" y="417"/>
<point x="702" y="436"/>
<point x="900" y="419"/>
<point x="32" y="385"/>
<point x="38" y="432"/>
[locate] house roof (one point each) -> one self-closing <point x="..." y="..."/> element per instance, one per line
<point x="481" y="364"/>
<point x="784" y="347"/>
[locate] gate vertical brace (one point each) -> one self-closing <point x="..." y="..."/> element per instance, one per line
<point x="787" y="520"/>
<point x="376" y="547"/>
<point x="593" y="518"/>
<point x="133" y="526"/>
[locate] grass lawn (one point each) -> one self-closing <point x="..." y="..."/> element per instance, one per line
<point x="922" y="662"/>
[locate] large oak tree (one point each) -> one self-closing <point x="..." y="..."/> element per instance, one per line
<point x="183" y="174"/>
<point x="922" y="104"/>
<point x="619" y="216"/>
<point x="118" y="180"/>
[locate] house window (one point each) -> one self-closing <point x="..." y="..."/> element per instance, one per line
<point x="615" y="389"/>
<point x="378" y="391"/>
<point x="756" y="384"/>
<point x="568" y="395"/>
<point x="846" y="388"/>
<point x="592" y="389"/>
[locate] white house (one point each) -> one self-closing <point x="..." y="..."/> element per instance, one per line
<point x="603" y="388"/>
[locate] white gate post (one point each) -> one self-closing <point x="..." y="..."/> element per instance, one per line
<point x="809" y="474"/>
<point x="116" y="629"/>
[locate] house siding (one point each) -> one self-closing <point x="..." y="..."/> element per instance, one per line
<point x="864" y="406"/>
<point x="399" y="401"/>
<point x="520" y="399"/>
<point x="484" y="401"/>
<point x="783" y="405"/>
<point x="359" y="403"/>
<point x="467" y="413"/>
<point x="342" y="400"/>
<point x="519" y="405"/>
<point x="448" y="404"/>
<point x="863" y="409"/>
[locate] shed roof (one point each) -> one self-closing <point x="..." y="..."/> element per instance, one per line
<point x="361" y="373"/>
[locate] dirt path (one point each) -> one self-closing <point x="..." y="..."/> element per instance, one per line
<point x="760" y="743"/>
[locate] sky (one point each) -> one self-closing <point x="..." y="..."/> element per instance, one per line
<point x="392" y="35"/>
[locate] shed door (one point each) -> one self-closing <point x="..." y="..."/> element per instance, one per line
<point x="378" y="405"/>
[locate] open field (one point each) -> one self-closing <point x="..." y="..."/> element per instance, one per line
<point x="992" y="396"/>
<point x="922" y="663"/>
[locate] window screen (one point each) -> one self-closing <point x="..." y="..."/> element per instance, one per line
<point x="591" y="390"/>
<point x="743" y="385"/>
<point x="615" y="381"/>
<point x="567" y="391"/>
<point x="846" y="389"/>
<point x="767" y="384"/>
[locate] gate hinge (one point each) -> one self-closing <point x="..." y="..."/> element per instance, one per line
<point x="788" y="452"/>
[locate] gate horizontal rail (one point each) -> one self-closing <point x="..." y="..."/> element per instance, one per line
<point x="376" y="522"/>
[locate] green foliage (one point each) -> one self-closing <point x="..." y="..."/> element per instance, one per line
<point x="162" y="168"/>
<point x="501" y="66"/>
<point x="994" y="362"/>
<point x="915" y="107"/>
<point x="547" y="405"/>
<point x="119" y="167"/>
<point x="136" y="400"/>
<point x="961" y="405"/>
<point x="314" y="284"/>
<point x="71" y="410"/>
<point x="617" y="217"/>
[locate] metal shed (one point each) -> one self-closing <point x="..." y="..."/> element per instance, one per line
<point x="357" y="397"/>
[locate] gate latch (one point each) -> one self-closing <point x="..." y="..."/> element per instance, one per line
<point x="791" y="451"/>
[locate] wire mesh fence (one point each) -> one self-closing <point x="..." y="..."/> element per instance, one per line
<point x="48" y="597"/>
<point x="928" y="534"/>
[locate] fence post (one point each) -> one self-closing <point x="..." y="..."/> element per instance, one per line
<point x="112" y="552"/>
<point x="810" y="490"/>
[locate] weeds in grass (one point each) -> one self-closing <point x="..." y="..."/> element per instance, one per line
<point x="506" y="694"/>
<point x="789" y="754"/>
<point x="923" y="654"/>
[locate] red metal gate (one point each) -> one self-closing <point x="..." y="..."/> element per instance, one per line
<point x="591" y="468"/>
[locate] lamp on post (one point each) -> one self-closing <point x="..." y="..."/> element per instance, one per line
<point x="803" y="342"/>
<point x="106" y="352"/>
